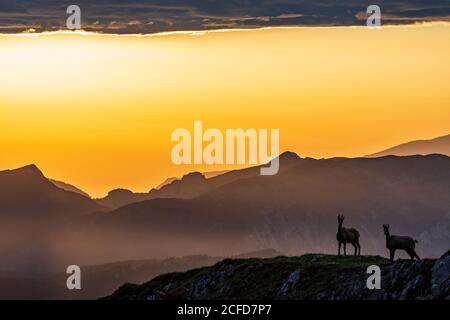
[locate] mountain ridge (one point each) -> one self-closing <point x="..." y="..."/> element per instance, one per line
<point x="438" y="145"/>
<point x="190" y="185"/>
<point x="299" y="206"/>
<point x="68" y="187"/>
<point x="41" y="196"/>
<point x="293" y="212"/>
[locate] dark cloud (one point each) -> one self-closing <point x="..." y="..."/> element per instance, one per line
<point x="149" y="16"/>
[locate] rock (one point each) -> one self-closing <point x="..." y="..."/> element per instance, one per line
<point x="168" y="287"/>
<point x="441" y="270"/>
<point x="290" y="283"/>
<point x="435" y="290"/>
<point x="411" y="288"/>
<point x="180" y="293"/>
<point x="201" y="284"/>
<point x="153" y="297"/>
<point x="440" y="276"/>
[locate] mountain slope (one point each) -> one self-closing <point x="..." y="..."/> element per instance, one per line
<point x="27" y="192"/>
<point x="101" y="280"/>
<point x="33" y="214"/>
<point x="440" y="145"/>
<point x="309" y="277"/>
<point x="295" y="211"/>
<point x="189" y="186"/>
<point x="68" y="187"/>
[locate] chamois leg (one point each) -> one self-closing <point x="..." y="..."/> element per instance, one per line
<point x="392" y="253"/>
<point x="359" y="249"/>
<point x="356" y="248"/>
<point x="345" y="248"/>
<point x="339" y="249"/>
<point x="410" y="253"/>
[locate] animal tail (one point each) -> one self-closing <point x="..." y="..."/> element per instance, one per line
<point x="416" y="241"/>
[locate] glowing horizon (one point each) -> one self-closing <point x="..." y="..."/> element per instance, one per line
<point x="97" y="110"/>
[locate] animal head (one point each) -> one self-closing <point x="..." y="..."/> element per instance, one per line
<point x="340" y="218"/>
<point x="386" y="228"/>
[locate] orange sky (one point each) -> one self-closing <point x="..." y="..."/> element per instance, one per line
<point x="97" y="111"/>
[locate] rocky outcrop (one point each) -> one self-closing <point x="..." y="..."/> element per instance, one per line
<point x="309" y="277"/>
<point x="440" y="277"/>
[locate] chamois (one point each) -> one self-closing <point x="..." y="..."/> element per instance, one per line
<point x="401" y="243"/>
<point x="345" y="236"/>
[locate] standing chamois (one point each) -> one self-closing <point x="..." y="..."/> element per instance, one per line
<point x="401" y="243"/>
<point x="345" y="236"/>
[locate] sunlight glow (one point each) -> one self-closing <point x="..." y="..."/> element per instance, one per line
<point x="98" y="110"/>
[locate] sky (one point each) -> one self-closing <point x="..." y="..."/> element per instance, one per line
<point x="97" y="111"/>
<point x="97" y="108"/>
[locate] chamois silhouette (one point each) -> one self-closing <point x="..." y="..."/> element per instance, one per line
<point x="345" y="236"/>
<point x="401" y="243"/>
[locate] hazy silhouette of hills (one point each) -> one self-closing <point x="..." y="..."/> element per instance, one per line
<point x="119" y="197"/>
<point x="101" y="280"/>
<point x="207" y="175"/>
<point x="239" y="211"/>
<point x="439" y="145"/>
<point x="189" y="186"/>
<point x="27" y="192"/>
<point x="33" y="213"/>
<point x="295" y="211"/>
<point x="98" y="280"/>
<point x="68" y="187"/>
<point x="166" y="182"/>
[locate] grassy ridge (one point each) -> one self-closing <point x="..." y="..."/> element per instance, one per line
<point x="311" y="276"/>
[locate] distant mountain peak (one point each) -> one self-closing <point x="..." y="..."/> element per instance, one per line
<point x="289" y="155"/>
<point x="26" y="192"/>
<point x="194" y="176"/>
<point x="119" y="191"/>
<point x="30" y="169"/>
